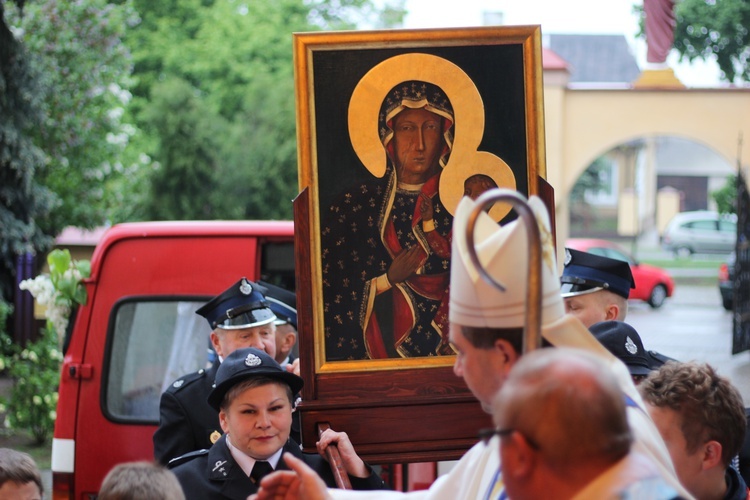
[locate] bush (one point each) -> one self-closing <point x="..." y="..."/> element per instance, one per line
<point x="6" y="310"/>
<point x="33" y="399"/>
<point x="35" y="368"/>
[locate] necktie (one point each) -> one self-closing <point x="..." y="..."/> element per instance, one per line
<point x="260" y="469"/>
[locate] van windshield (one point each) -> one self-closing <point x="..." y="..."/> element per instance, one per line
<point x="152" y="342"/>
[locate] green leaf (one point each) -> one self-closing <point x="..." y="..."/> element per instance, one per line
<point x="59" y="262"/>
<point x="84" y="267"/>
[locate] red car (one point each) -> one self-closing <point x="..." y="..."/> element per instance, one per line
<point x="652" y="284"/>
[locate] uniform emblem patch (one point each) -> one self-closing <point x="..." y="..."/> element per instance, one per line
<point x="252" y="360"/>
<point x="246" y="288"/>
<point x="178" y="384"/>
<point x="630" y="346"/>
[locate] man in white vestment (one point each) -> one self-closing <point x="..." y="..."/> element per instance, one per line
<point x="542" y="458"/>
<point x="486" y="330"/>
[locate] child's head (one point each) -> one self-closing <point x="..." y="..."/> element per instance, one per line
<point x="19" y="476"/>
<point x="140" y="481"/>
<point x="477" y="184"/>
<point x="254" y="397"/>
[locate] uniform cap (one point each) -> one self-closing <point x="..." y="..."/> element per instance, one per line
<point x="587" y="273"/>
<point x="503" y="252"/>
<point x="625" y="344"/>
<point x="246" y="363"/>
<point x="282" y="302"/>
<point x="242" y="305"/>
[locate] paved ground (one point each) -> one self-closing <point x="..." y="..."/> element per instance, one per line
<point x="692" y="325"/>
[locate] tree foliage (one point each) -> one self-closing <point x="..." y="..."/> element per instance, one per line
<point x="713" y="29"/>
<point x="23" y="200"/>
<point x="237" y="58"/>
<point x="187" y="152"/>
<point x="726" y="196"/>
<point x="77" y="50"/>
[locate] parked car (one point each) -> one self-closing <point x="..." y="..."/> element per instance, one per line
<point x="652" y="284"/>
<point x="726" y="282"/>
<point x="701" y="231"/>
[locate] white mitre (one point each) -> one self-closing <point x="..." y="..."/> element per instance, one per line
<point x="504" y="253"/>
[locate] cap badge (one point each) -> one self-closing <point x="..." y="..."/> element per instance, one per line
<point x="568" y="257"/>
<point x="178" y="384"/>
<point x="246" y="288"/>
<point x="630" y="346"/>
<point x="215" y="435"/>
<point x="252" y="360"/>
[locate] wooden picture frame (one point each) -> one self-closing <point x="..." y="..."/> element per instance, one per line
<point x="483" y="90"/>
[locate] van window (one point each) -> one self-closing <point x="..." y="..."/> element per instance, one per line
<point x="152" y="343"/>
<point x="277" y="264"/>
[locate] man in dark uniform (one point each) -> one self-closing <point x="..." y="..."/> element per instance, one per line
<point x="623" y="341"/>
<point x="595" y="288"/>
<point x="283" y="303"/>
<point x="239" y="317"/>
<point x="253" y="396"/>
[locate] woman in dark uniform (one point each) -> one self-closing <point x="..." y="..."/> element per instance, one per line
<point x="253" y="396"/>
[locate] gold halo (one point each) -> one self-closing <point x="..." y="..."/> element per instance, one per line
<point x="468" y="110"/>
<point x="475" y="162"/>
<point x="372" y="89"/>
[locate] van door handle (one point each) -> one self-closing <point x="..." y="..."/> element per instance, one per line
<point x="80" y="370"/>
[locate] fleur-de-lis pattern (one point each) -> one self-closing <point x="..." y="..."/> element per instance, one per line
<point x="355" y="252"/>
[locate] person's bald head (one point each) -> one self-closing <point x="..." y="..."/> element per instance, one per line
<point x="549" y="396"/>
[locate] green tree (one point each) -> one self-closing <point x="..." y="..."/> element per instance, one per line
<point x="713" y="29"/>
<point x="24" y="202"/>
<point x="717" y="29"/>
<point x="85" y="69"/>
<point x="237" y="56"/>
<point x="726" y="196"/>
<point x="184" y="178"/>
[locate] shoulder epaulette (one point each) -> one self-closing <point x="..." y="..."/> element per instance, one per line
<point x="186" y="457"/>
<point x="185" y="381"/>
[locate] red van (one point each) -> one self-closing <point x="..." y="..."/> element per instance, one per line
<point x="139" y="332"/>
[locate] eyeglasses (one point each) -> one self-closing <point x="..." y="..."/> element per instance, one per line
<point x="486" y="434"/>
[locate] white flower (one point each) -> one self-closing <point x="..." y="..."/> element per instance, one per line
<point x="33" y="357"/>
<point x="36" y="400"/>
<point x="115" y="114"/>
<point x="53" y="415"/>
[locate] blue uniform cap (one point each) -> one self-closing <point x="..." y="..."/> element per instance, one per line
<point x="587" y="273"/>
<point x="625" y="344"/>
<point x="246" y="363"/>
<point x="242" y="305"/>
<point x="282" y="302"/>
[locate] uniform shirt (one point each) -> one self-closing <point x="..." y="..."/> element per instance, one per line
<point x="187" y="422"/>
<point x="214" y="473"/>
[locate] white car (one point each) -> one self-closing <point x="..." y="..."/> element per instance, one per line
<point x="701" y="231"/>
